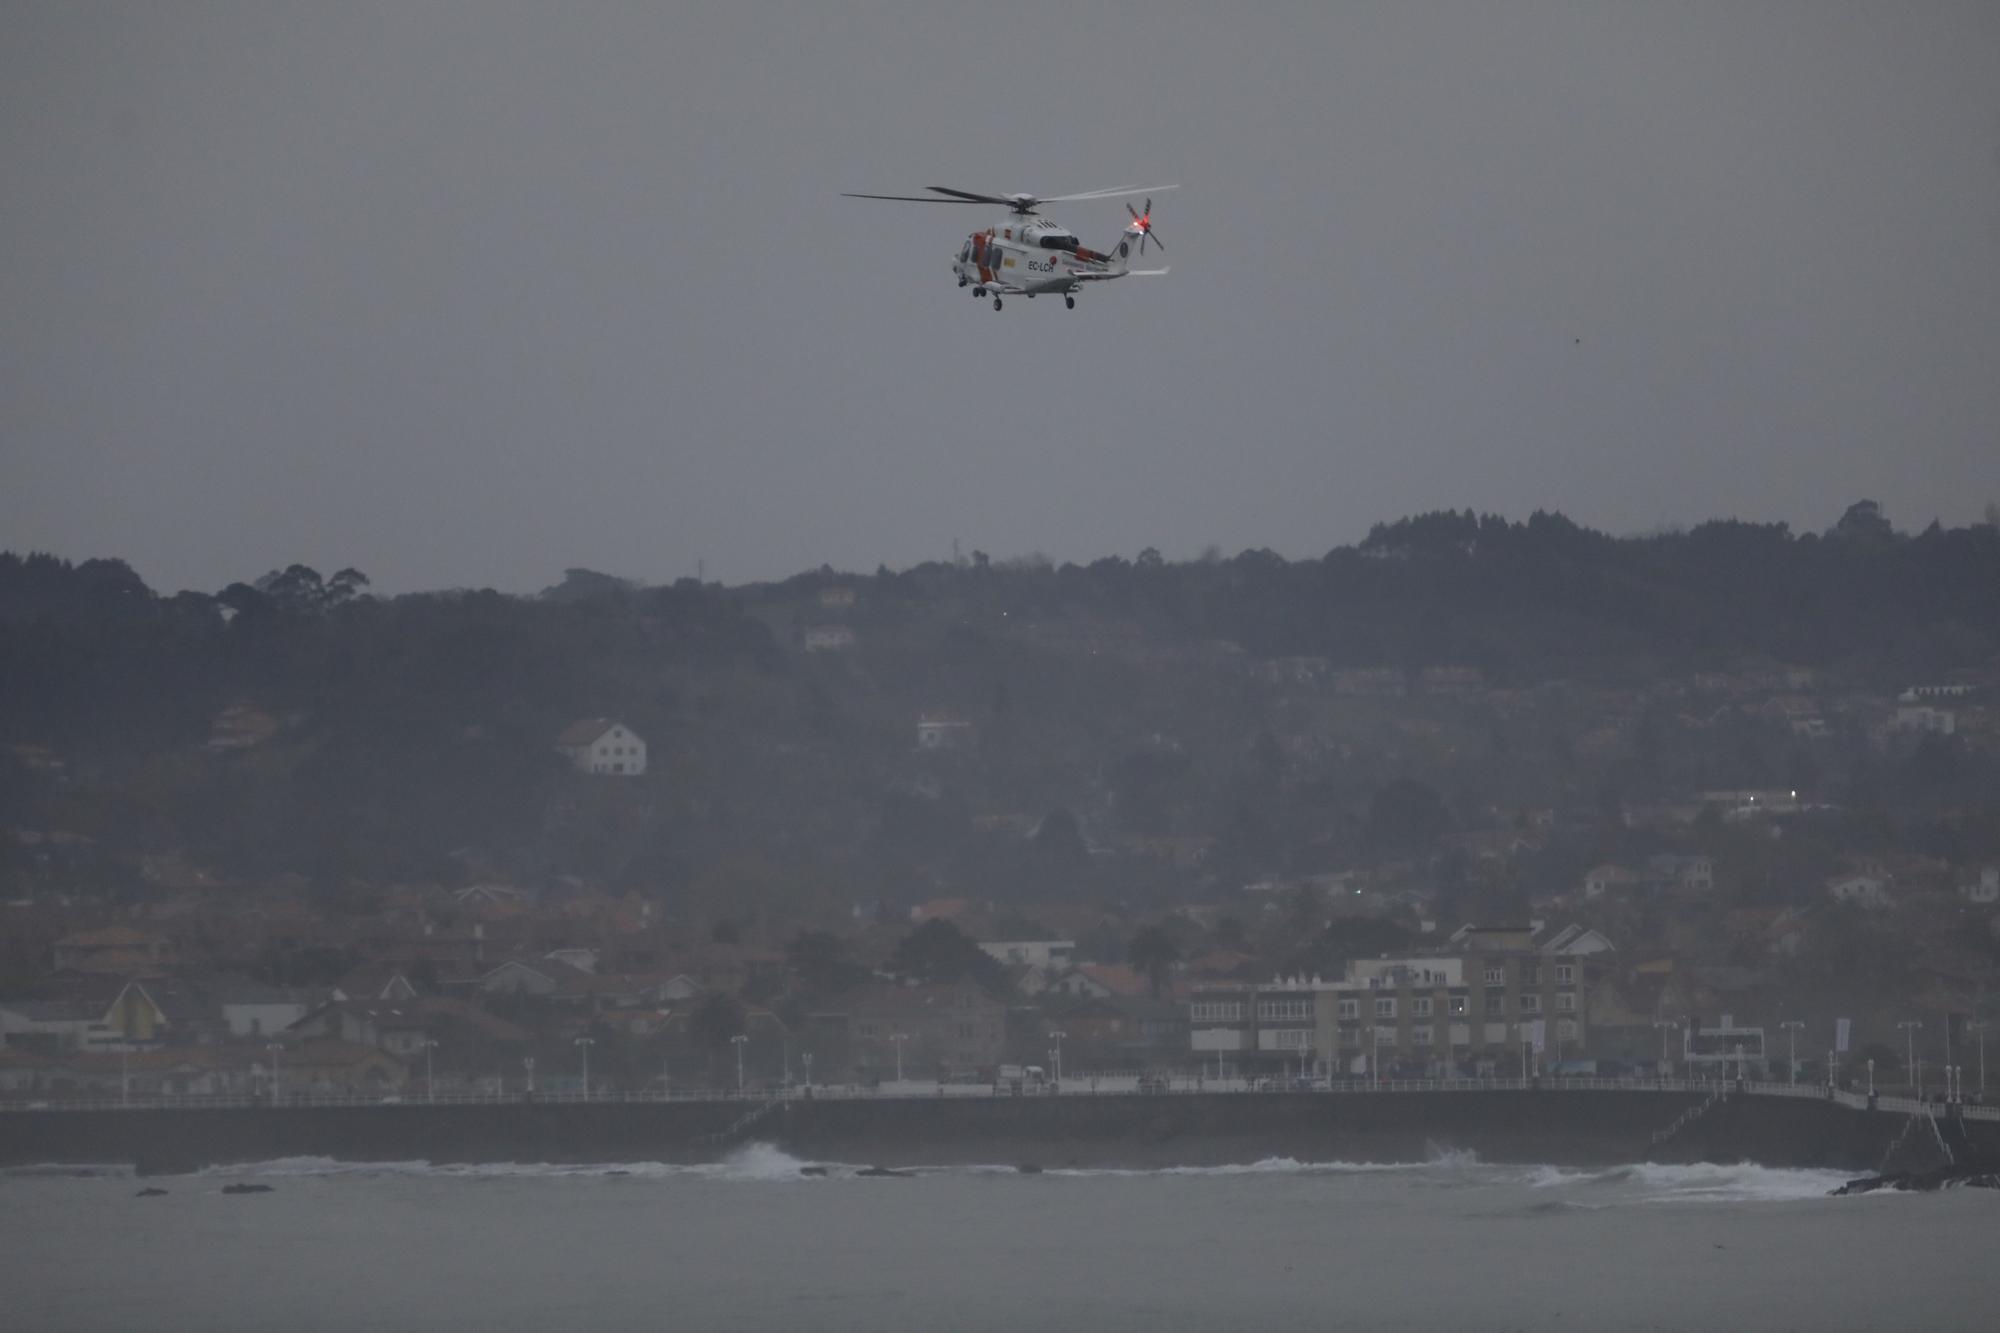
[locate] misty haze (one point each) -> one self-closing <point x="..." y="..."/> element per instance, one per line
<point x="585" y="740"/>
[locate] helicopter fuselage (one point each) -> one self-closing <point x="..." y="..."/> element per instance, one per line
<point x="1029" y="256"/>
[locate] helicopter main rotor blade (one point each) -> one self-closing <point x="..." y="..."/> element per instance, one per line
<point x="1105" y="194"/>
<point x="966" y="196"/>
<point x="910" y="198"/>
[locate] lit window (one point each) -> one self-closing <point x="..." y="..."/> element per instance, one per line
<point x="1458" y="1006"/>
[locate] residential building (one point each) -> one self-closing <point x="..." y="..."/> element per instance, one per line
<point x="1984" y="890"/>
<point x="942" y="731"/>
<point x="113" y="950"/>
<point x="1613" y="880"/>
<point x="1686" y="874"/>
<point x="1031" y="953"/>
<point x="258" y="1011"/>
<point x="1923" y="719"/>
<point x="1470" y="1008"/>
<point x="829" y="639"/>
<point x="398" y="1029"/>
<point x="51" y="1025"/>
<point x="601" y="745"/>
<point x="943" y="1031"/>
<point x="1870" y="892"/>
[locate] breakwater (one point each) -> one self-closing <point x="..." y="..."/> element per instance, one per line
<point x="1565" y="1127"/>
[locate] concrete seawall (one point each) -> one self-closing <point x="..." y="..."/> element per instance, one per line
<point x="1561" y="1127"/>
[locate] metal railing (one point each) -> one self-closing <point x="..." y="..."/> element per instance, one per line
<point x="1100" y="1084"/>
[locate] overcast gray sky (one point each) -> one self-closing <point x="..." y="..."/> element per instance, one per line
<point x="465" y="293"/>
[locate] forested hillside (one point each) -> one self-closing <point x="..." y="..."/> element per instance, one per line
<point x="300" y="724"/>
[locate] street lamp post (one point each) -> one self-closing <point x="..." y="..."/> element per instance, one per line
<point x="808" y="1059"/>
<point x="584" y="1044"/>
<point x="430" y="1070"/>
<point x="1910" y="1026"/>
<point x="1057" y="1038"/>
<point x="1871" y="1081"/>
<point x="274" y="1048"/>
<point x="899" y="1038"/>
<point x="739" y="1041"/>
<point x="528" y="1064"/>
<point x="1666" y="1027"/>
<point x="1979" y="1026"/>
<point x="1791" y="1027"/>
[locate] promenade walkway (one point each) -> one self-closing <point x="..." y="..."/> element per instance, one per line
<point x="1087" y="1084"/>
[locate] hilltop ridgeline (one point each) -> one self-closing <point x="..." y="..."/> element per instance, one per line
<point x="301" y="725"/>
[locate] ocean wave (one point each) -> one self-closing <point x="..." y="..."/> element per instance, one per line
<point x="47" y="1170"/>
<point x="766" y="1163"/>
<point x="754" y="1162"/>
<point x="1693" y="1182"/>
<point x="1267" y="1166"/>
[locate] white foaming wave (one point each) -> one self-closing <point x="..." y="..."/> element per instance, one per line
<point x="45" y="1170"/>
<point x="756" y="1162"/>
<point x="1696" y="1182"/>
<point x="1743" y="1181"/>
<point x="1268" y="1166"/>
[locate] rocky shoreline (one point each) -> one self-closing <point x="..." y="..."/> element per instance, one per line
<point x="1983" y="1176"/>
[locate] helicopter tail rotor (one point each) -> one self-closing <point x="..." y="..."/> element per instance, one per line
<point x="1142" y="222"/>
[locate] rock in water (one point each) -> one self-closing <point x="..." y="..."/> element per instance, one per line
<point x="148" y="1192"/>
<point x="883" y="1171"/>
<point x="1941" y="1178"/>
<point x="812" y="1170"/>
<point x="246" y="1189"/>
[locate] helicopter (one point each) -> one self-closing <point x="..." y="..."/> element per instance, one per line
<point x="1026" y="254"/>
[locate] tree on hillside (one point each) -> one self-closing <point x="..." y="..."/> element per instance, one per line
<point x="1406" y="816"/>
<point x="1865" y="520"/>
<point x="939" y="953"/>
<point x="715" y="1020"/>
<point x="1153" y="953"/>
<point x="1058" y="840"/>
<point x="818" y="958"/>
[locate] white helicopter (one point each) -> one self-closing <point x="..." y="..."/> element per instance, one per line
<point x="1029" y="255"/>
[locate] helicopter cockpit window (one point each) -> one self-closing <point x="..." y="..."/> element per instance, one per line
<point x="1058" y="241"/>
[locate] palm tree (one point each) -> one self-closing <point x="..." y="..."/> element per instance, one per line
<point x="1153" y="952"/>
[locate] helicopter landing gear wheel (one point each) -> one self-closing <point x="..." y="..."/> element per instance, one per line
<point x="978" y="293"/>
<point x="996" y="303"/>
<point x="961" y="282"/>
<point x="1070" y="301"/>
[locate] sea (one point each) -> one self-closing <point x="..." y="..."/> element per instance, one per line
<point x="755" y="1242"/>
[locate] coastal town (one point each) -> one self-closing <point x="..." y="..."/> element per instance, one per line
<point x="1315" y="871"/>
